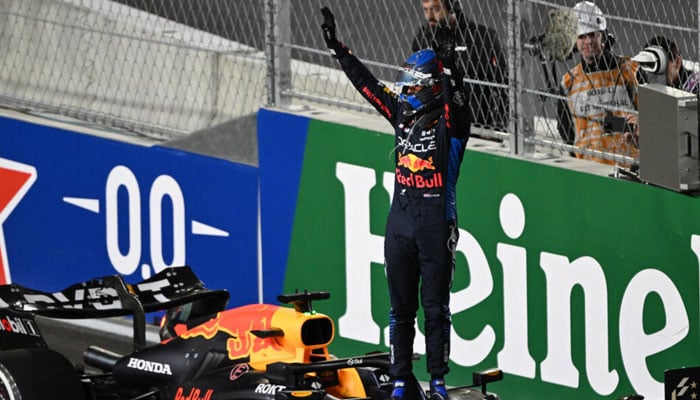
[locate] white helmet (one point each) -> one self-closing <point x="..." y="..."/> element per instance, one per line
<point x="590" y="18"/>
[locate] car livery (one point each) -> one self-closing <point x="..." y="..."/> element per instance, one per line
<point x="206" y="352"/>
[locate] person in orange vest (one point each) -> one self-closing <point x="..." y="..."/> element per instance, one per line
<point x="598" y="114"/>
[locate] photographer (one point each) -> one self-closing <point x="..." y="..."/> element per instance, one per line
<point x="480" y="57"/>
<point x="601" y="92"/>
<point x="661" y="59"/>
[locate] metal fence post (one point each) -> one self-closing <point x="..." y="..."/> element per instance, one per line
<point x="278" y="32"/>
<point x="515" y="82"/>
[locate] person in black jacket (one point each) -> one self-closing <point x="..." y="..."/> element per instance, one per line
<point x="481" y="58"/>
<point x="431" y="121"/>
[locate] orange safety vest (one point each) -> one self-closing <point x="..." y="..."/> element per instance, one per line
<point x="587" y="92"/>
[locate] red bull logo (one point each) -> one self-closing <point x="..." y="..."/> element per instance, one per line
<point x="415" y="163"/>
<point x="207" y="330"/>
<point x="238" y="324"/>
<point x="193" y="394"/>
<point x="419" y="181"/>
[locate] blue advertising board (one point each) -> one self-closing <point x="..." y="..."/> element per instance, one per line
<point x="281" y="145"/>
<point x="76" y="206"/>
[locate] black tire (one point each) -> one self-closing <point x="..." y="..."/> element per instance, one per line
<point x="38" y="374"/>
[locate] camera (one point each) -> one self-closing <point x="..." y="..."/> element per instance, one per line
<point x="613" y="124"/>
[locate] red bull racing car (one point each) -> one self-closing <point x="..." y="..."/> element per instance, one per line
<point x="206" y="352"/>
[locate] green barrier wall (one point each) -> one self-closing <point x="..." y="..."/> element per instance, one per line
<point x="577" y="286"/>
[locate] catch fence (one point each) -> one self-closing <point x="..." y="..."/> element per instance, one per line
<point x="166" y="68"/>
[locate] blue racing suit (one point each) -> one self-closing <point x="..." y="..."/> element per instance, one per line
<point x="421" y="230"/>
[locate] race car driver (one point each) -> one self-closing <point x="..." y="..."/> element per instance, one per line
<point x="432" y="122"/>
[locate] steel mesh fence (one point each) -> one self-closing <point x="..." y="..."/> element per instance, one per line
<point x="631" y="24"/>
<point x="146" y="68"/>
<point x="167" y="68"/>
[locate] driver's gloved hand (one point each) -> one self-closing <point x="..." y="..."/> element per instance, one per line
<point x="328" y="27"/>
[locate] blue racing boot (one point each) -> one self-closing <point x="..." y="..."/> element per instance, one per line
<point x="399" y="392"/>
<point x="438" y="391"/>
